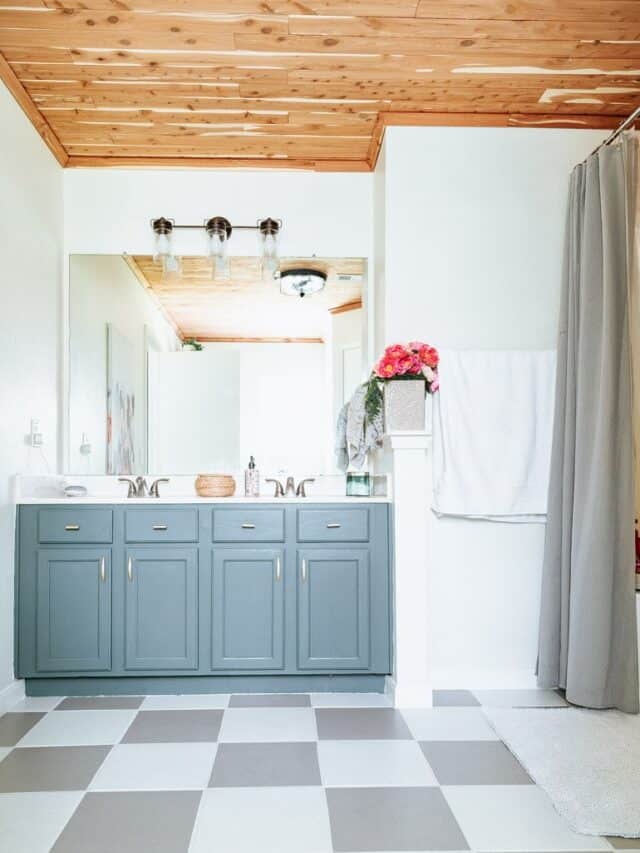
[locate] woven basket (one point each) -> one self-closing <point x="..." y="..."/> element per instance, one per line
<point x="215" y="485"/>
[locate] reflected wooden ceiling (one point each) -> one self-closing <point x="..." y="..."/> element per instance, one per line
<point x="307" y="83"/>
<point x="246" y="307"/>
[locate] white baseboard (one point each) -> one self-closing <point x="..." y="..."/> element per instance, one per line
<point x="484" y="679"/>
<point x="11" y="695"/>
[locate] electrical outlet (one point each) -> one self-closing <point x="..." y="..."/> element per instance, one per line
<point x="35" y="437"/>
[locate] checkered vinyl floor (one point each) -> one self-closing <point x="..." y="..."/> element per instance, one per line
<point x="278" y="773"/>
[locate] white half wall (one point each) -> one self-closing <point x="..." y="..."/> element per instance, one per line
<point x="31" y="249"/>
<point x="470" y="256"/>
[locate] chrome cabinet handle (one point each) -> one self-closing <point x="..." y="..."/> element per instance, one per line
<point x="304" y="570"/>
<point x="103" y="570"/>
<point x="130" y="568"/>
<point x="72" y="527"/>
<point x="333" y="524"/>
<point x="248" y="526"/>
<point x="278" y="568"/>
<point x="160" y="526"/>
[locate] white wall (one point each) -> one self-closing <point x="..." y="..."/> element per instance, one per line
<point x="109" y="210"/>
<point x="346" y="357"/>
<point x="472" y="258"/>
<point x="104" y="290"/>
<point x="30" y="247"/>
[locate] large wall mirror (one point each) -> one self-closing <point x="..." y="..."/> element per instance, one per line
<point x="269" y="380"/>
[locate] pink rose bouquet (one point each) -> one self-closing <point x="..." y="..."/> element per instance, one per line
<point x="415" y="360"/>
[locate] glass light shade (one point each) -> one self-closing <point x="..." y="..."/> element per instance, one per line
<point x="269" y="256"/>
<point x="302" y="282"/>
<point x="217" y="250"/>
<point x="162" y="246"/>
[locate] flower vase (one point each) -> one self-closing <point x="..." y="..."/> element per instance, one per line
<point x="404" y="405"/>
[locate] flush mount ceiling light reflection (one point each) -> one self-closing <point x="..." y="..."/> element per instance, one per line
<point x="302" y="281"/>
<point x="218" y="231"/>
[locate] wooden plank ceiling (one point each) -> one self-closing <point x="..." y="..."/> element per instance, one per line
<point x="245" y="307"/>
<point x="307" y="83"/>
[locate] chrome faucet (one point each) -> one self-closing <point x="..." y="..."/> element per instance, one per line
<point x="290" y="487"/>
<point x="300" y="491"/>
<point x="138" y="488"/>
<point x="279" y="491"/>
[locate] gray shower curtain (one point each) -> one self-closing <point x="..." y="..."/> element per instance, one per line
<point x="588" y="643"/>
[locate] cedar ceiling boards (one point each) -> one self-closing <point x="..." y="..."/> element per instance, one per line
<point x="307" y="84"/>
<point x="245" y="307"/>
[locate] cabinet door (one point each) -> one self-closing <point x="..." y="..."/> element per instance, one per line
<point x="247" y="622"/>
<point x="73" y="610"/>
<point x="333" y="608"/>
<point x="161" y="608"/>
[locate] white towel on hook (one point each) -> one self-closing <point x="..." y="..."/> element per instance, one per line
<point x="493" y="421"/>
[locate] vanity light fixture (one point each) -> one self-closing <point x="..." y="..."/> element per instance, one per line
<point x="218" y="231"/>
<point x="301" y="281"/>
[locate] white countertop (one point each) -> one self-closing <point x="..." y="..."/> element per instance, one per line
<point x="194" y="499"/>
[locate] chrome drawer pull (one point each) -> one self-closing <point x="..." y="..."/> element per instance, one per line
<point x="72" y="527"/>
<point x="278" y="569"/>
<point x="333" y="524"/>
<point x="130" y="568"/>
<point x="248" y="526"/>
<point x="160" y="526"/>
<point x="304" y="570"/>
<point x="103" y="570"/>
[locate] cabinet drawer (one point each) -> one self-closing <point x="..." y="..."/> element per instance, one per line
<point x="333" y="525"/>
<point x="75" y="524"/>
<point x="248" y="525"/>
<point x="161" y="525"/>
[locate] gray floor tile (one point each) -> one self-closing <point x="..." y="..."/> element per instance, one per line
<point x="474" y="763"/>
<point x="131" y="822"/>
<point x="454" y="699"/>
<point x="13" y="727"/>
<point x="99" y="703"/>
<point x="361" y="724"/>
<point x="174" y="727"/>
<point x="260" y="764"/>
<point x="270" y="700"/>
<point x="58" y="768"/>
<point x="392" y="819"/>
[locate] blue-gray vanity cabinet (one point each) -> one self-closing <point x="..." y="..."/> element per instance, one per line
<point x="73" y="609"/>
<point x="233" y="594"/>
<point x="334" y="616"/>
<point x="161" y="608"/>
<point x="247" y="607"/>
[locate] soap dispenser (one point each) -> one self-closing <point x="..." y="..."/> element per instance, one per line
<point x="251" y="480"/>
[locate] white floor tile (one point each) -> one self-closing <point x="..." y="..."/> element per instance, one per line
<point x="30" y="823"/>
<point x="350" y="700"/>
<point x="186" y="702"/>
<point x="373" y="763"/>
<point x="515" y="818"/>
<point x="156" y="767"/>
<point x="269" y="820"/>
<point x="79" y="728"/>
<point x="448" y="724"/>
<point x="268" y="725"/>
<point x="520" y="698"/>
<point x="36" y="703"/>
